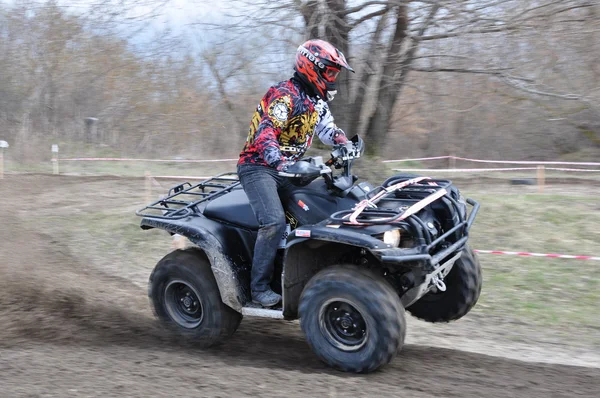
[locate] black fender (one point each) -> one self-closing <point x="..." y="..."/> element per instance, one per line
<point x="313" y="247"/>
<point x="226" y="248"/>
<point x="354" y="236"/>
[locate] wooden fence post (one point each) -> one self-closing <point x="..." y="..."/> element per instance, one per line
<point x="3" y="144"/>
<point x="55" y="167"/>
<point x="541" y="178"/>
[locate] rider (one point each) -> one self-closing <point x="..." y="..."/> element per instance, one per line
<point x="281" y="131"/>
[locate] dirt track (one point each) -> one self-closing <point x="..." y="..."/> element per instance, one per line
<point x="68" y="329"/>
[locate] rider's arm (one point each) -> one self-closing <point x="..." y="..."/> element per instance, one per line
<point x="276" y="108"/>
<point x="326" y="129"/>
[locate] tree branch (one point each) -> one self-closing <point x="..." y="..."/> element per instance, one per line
<point x="515" y="22"/>
<point x="387" y="3"/>
<point x="492" y="71"/>
<point x="470" y="32"/>
<point x="364" y="18"/>
<point x="511" y="81"/>
<point x="550" y="13"/>
<point x="461" y="70"/>
<point x="358" y="8"/>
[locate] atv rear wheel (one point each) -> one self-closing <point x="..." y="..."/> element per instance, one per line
<point x="352" y="318"/>
<point x="186" y="299"/>
<point x="463" y="287"/>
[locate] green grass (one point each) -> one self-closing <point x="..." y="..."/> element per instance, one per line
<point x="541" y="291"/>
<point x="548" y="292"/>
<point x="537" y="222"/>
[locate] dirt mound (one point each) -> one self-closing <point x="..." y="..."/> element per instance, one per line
<point x="32" y="311"/>
<point x="46" y="294"/>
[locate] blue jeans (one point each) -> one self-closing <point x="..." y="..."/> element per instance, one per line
<point x="265" y="188"/>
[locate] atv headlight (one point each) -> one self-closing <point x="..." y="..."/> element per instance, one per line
<point x="392" y="237"/>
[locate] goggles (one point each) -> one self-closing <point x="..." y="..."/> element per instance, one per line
<point x="330" y="73"/>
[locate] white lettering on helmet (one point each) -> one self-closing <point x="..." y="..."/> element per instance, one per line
<point x="311" y="57"/>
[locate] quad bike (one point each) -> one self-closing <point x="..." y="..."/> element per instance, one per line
<point x="353" y="258"/>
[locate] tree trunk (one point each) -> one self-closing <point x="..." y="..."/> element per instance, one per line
<point x="380" y="120"/>
<point x="394" y="74"/>
<point x="311" y="15"/>
<point x="369" y="70"/>
<point x="337" y="31"/>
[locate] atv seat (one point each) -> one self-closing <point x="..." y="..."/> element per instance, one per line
<point x="233" y="207"/>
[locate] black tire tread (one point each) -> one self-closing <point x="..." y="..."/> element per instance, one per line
<point x="464" y="284"/>
<point x="387" y="308"/>
<point x="192" y="264"/>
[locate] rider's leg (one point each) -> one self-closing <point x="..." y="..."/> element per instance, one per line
<point x="261" y="185"/>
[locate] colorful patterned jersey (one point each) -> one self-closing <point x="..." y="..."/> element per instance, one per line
<point x="284" y="123"/>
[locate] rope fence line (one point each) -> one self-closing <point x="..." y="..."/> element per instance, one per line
<point x="453" y="158"/>
<point x="417" y="159"/>
<point x="547" y="255"/>
<point x="496" y="169"/>
<point x="144" y="160"/>
<point x="540" y="166"/>
<point x="523" y="162"/>
<point x="528" y="162"/>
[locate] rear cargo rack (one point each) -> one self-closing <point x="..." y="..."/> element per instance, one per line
<point x="181" y="201"/>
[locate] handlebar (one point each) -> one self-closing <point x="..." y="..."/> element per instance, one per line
<point x="303" y="168"/>
<point x="305" y="171"/>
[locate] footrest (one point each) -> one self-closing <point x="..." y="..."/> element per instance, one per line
<point x="260" y="312"/>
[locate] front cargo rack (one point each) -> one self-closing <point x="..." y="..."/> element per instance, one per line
<point x="181" y="201"/>
<point x="421" y="191"/>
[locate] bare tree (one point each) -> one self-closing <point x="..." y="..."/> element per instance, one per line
<point x="433" y="76"/>
<point x="401" y="31"/>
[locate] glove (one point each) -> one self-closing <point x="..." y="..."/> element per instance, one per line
<point x="339" y="137"/>
<point x="284" y="165"/>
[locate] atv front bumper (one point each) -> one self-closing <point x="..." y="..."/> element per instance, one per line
<point x="430" y="255"/>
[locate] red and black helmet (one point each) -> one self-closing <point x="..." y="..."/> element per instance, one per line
<point x="318" y="63"/>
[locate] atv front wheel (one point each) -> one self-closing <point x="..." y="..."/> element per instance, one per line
<point x="186" y="299"/>
<point x="463" y="287"/>
<point x="352" y="318"/>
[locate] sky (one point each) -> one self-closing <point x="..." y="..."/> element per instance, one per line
<point x="175" y="13"/>
<point x="179" y="17"/>
<point x="179" y="13"/>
